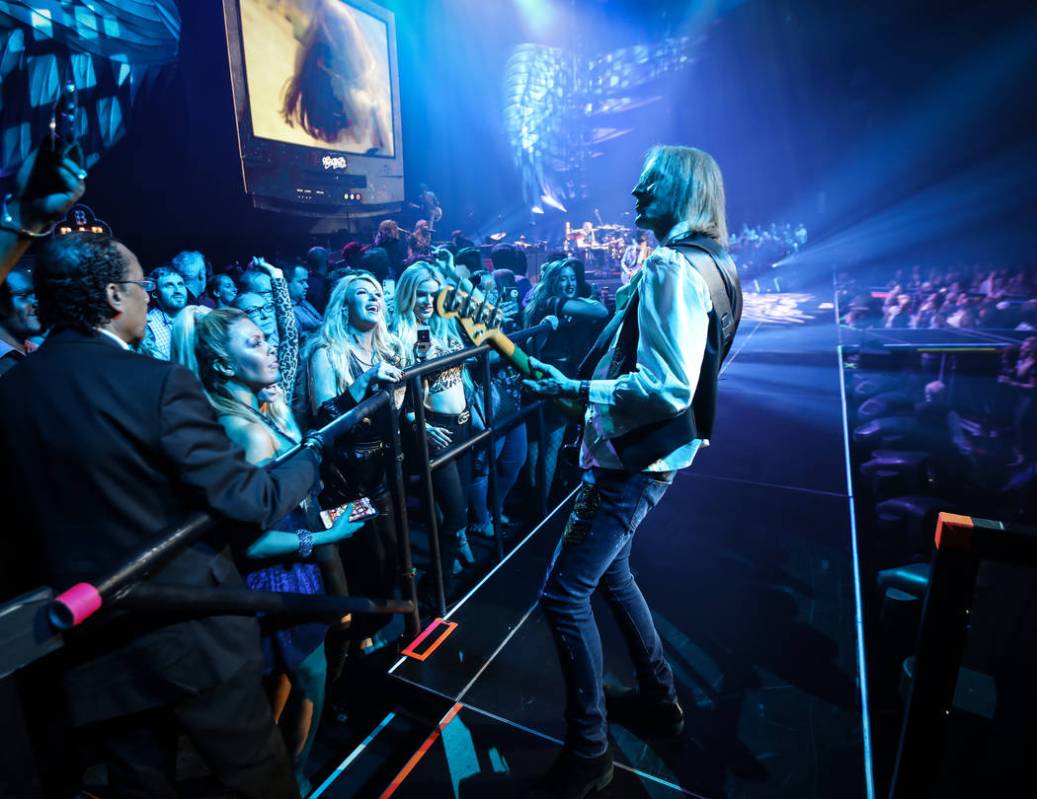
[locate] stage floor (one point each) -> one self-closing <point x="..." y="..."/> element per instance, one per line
<point x="748" y="565"/>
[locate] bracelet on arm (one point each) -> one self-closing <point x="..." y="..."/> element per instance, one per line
<point x="7" y="223"/>
<point x="305" y="543"/>
<point x="584" y="393"/>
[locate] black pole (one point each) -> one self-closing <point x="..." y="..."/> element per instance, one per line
<point x="398" y="492"/>
<point x="491" y="455"/>
<point x="941" y="643"/>
<point x="418" y="396"/>
<point x="83" y="600"/>
<point x="541" y="467"/>
<point x="174" y="599"/>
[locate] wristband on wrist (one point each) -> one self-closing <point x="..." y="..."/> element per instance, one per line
<point x="585" y="391"/>
<point x="305" y="543"/>
<point x="7" y="223"/>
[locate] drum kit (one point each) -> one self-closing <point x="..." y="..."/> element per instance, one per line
<point x="598" y="246"/>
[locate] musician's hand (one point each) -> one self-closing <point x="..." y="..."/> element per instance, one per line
<point x="552" y="382"/>
<point x="439" y="436"/>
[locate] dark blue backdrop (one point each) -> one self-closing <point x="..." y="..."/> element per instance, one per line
<point x="894" y="129"/>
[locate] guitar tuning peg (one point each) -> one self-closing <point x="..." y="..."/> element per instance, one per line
<point x="494" y="311"/>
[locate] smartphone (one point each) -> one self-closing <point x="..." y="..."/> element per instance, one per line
<point x="363" y="508"/>
<point x="423" y="343"/>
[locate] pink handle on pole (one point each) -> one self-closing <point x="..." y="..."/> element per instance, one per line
<point x="74" y="606"/>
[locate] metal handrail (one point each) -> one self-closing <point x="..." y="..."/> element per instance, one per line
<point x="484" y="438"/>
<point x="81" y="601"/>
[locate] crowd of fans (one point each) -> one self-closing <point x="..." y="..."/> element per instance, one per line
<point x="920" y="298"/>
<point x="282" y="347"/>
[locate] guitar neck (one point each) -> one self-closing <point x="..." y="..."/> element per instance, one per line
<point x="514" y="354"/>
<point x="511" y="351"/>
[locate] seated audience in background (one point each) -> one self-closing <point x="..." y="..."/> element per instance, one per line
<point x="237" y="365"/>
<point x="169" y="297"/>
<point x="195" y="271"/>
<point x="307" y="318"/>
<point x="940" y="434"/>
<point x="319" y="288"/>
<point x="579" y="322"/>
<point x="221" y="292"/>
<point x="136" y="688"/>
<point x="18" y="319"/>
<point x="962" y="297"/>
<point x="1019" y="376"/>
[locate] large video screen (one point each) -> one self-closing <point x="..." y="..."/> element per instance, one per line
<point x="318" y="75"/>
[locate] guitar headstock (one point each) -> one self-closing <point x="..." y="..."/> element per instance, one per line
<point x="479" y="318"/>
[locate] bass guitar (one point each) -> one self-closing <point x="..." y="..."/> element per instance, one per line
<point x="480" y="320"/>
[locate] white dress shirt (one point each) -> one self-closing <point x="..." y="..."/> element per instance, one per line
<point x="673" y="321"/>
<point x="113" y="337"/>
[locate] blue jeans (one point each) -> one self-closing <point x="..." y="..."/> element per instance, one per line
<point x="595" y="551"/>
<point x="511" y="455"/>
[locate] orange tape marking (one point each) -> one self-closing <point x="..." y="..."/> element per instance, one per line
<point x="954" y="531"/>
<point x="422" y="750"/>
<point x="411" y="652"/>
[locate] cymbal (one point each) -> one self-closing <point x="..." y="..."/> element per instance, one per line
<point x="497" y="236"/>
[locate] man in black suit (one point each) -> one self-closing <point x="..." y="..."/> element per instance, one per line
<point x="105" y="449"/>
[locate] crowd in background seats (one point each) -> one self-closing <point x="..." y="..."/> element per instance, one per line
<point x="965" y="297"/>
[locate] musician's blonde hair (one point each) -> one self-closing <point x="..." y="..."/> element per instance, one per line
<point x="690" y="180"/>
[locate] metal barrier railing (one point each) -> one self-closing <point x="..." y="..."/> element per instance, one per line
<point x="414" y="377"/>
<point x="32" y="625"/>
<point x="962" y="543"/>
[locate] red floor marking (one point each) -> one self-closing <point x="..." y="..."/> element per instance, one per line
<point x="410" y="650"/>
<point x="416" y="757"/>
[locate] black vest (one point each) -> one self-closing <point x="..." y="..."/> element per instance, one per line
<point x="640" y="448"/>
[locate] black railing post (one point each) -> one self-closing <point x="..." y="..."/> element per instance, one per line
<point x="398" y="492"/>
<point x="541" y="466"/>
<point x="418" y="397"/>
<point x="491" y="455"/>
<point x="941" y="642"/>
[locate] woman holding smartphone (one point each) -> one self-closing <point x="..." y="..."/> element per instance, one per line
<point x="237" y="365"/>
<point x="447" y="412"/>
